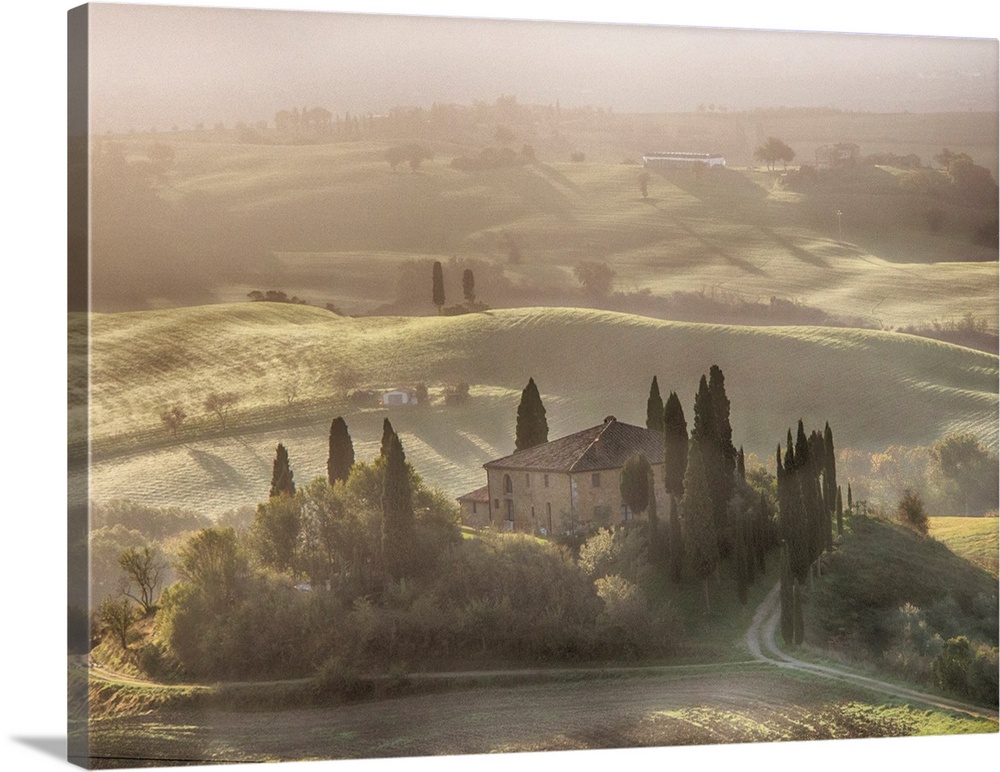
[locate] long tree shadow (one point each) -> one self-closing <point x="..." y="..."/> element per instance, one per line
<point x="794" y="250"/>
<point x="718" y="188"/>
<point x="557" y="177"/>
<point x="220" y="472"/>
<point x="714" y="247"/>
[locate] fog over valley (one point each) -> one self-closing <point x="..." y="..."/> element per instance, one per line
<point x="165" y="66"/>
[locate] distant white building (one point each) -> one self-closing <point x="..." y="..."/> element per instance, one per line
<point x="682" y="159"/>
<point x="398" y="397"/>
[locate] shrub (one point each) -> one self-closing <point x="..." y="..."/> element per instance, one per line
<point x="951" y="666"/>
<point x="911" y="512"/>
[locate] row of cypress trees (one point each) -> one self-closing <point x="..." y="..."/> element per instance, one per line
<point x="397" y="497"/>
<point x="809" y="499"/>
<point x="714" y="513"/>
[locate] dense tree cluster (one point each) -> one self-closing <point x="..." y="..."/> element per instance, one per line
<point x="772" y="151"/>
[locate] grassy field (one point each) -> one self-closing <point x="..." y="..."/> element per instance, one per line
<point x="972" y="538"/>
<point x="874" y="388"/>
<point x="747" y="705"/>
<point x="332" y="223"/>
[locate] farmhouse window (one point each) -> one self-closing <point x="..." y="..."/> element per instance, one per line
<point x="508" y="485"/>
<point x="545" y="480"/>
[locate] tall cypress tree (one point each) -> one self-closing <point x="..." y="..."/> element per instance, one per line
<point x="741" y="464"/>
<point x="717" y="450"/>
<point x="676" y="545"/>
<point x="720" y="406"/>
<point x="532" y="428"/>
<point x="654" y="408"/>
<point x="675" y="446"/>
<point x="341" y="452"/>
<point x="387" y="434"/>
<point x="469" y="286"/>
<point x="787" y="599"/>
<point x="705" y="435"/>
<point x="437" y="288"/>
<point x="701" y="543"/>
<point x="840" y="513"/>
<point x="764" y="538"/>
<point x="798" y="617"/>
<point x="634" y="483"/>
<point x="397" y="512"/>
<point x="282" y="482"/>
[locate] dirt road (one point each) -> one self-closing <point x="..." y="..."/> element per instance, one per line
<point x="762" y="642"/>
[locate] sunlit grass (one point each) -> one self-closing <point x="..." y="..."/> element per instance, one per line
<point x="973" y="538"/>
<point x="874" y="388"/>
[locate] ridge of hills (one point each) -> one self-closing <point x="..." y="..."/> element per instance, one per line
<point x="292" y="367"/>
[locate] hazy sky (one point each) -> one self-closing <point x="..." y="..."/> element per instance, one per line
<point x="163" y="66"/>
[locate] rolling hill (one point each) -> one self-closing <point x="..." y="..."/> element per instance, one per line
<point x="292" y="366"/>
<point x="333" y="223"/>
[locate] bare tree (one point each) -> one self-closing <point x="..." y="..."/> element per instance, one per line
<point x="220" y="403"/>
<point x="172" y="418"/>
<point x="142" y="569"/>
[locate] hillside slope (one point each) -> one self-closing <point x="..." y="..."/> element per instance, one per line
<point x="333" y="223"/>
<point x="292" y="365"/>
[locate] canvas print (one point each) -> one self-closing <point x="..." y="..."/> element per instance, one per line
<point x="453" y="386"/>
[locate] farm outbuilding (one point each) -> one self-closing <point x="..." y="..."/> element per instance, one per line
<point x="671" y="158"/>
<point x="395" y="397"/>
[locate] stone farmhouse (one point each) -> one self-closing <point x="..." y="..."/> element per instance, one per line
<point x="565" y="483"/>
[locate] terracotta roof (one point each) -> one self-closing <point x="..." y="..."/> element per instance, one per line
<point x="606" y="446"/>
<point x="480" y="494"/>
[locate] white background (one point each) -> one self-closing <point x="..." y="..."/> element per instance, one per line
<point x="32" y="374"/>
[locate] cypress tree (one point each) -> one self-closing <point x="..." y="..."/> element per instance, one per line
<point x="850" y="499"/>
<point x="282" y="482"/>
<point x="720" y="406"/>
<point x="634" y="483"/>
<point x="840" y="513"/>
<point x="750" y="539"/>
<point x="787" y="600"/>
<point x="397" y="512"/>
<point x="814" y="497"/>
<point x="706" y="435"/>
<point x="829" y="467"/>
<point x="437" y="289"/>
<point x="532" y="428"/>
<point x="676" y="541"/>
<point x="675" y="446"/>
<point x="741" y="464"/>
<point x="341" y="452"/>
<point x="742" y="570"/>
<point x="469" y="286"/>
<point x="798" y="620"/>
<point x="387" y="434"/>
<point x="763" y="534"/>
<point x="701" y="542"/>
<point x="654" y="408"/>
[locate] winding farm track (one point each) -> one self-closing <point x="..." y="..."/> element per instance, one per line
<point x="762" y="642"/>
